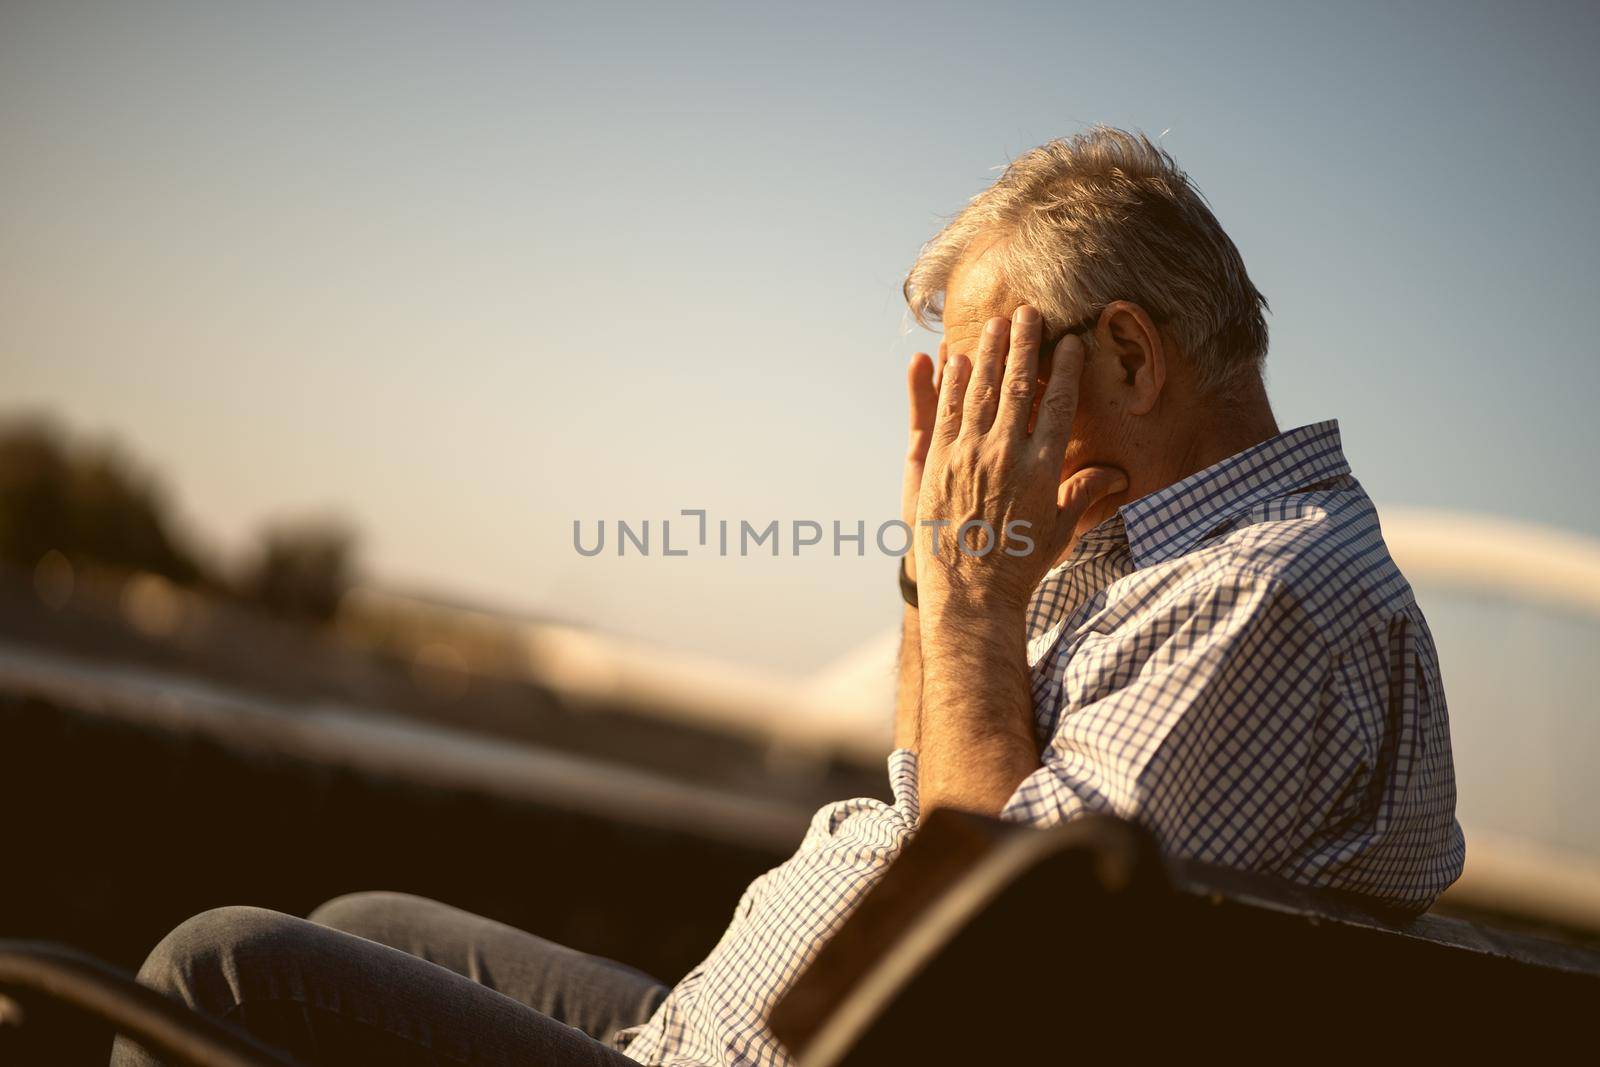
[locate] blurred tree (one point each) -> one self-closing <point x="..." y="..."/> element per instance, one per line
<point x="88" y="502"/>
<point x="303" y="568"/>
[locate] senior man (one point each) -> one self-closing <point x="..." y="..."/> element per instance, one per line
<point x="1129" y="593"/>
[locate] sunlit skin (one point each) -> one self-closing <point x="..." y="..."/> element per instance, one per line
<point x="1002" y="431"/>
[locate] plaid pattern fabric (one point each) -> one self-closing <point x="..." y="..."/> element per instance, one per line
<point x="1234" y="662"/>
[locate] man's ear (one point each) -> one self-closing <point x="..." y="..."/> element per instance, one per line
<point x="1128" y="336"/>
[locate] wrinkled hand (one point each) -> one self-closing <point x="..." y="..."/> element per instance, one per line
<point x="920" y="384"/>
<point x="984" y="466"/>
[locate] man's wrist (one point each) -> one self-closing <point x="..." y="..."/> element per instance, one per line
<point x="946" y="610"/>
<point x="966" y="637"/>
<point x="943" y="593"/>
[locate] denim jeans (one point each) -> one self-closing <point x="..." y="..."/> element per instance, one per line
<point x="385" y="978"/>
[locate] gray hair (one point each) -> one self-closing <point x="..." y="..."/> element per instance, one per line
<point x="1100" y="216"/>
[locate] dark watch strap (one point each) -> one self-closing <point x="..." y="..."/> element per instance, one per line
<point x="908" y="584"/>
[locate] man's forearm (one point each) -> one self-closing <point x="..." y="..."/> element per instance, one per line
<point x="995" y="459"/>
<point x="976" y="743"/>
<point x="908" y="690"/>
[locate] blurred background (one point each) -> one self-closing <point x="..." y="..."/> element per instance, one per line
<point x="321" y="325"/>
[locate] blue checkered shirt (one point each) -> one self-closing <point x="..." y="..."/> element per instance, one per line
<point x="1234" y="662"/>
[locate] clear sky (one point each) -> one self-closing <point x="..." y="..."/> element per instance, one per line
<point x="468" y="272"/>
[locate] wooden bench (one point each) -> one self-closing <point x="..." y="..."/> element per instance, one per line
<point x="988" y="942"/>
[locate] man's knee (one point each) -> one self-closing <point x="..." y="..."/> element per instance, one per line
<point x="203" y="959"/>
<point x="371" y="914"/>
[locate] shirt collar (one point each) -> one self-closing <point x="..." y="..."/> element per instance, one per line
<point x="1171" y="521"/>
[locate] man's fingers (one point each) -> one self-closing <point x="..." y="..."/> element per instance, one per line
<point x="1020" y="382"/>
<point x="923" y="400"/>
<point x="952" y="394"/>
<point x="1060" y="403"/>
<point x="938" y="364"/>
<point x="1079" y="493"/>
<point x="983" y="395"/>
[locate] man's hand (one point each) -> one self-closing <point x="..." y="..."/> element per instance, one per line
<point x="984" y="466"/>
<point x="922" y="401"/>
<point x="920" y="385"/>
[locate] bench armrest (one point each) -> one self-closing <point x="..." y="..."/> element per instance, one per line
<point x="166" y="1027"/>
